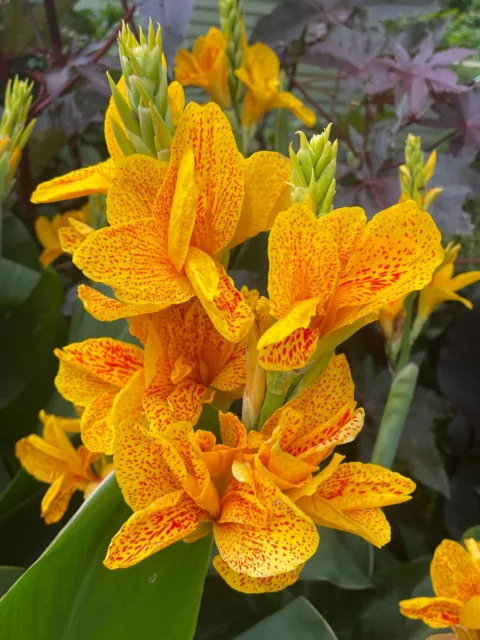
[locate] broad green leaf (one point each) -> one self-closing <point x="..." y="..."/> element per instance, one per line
<point x="16" y="283"/>
<point x="68" y="593"/>
<point x="28" y="334"/>
<point x="21" y="488"/>
<point x="472" y="532"/>
<point x="299" y="619"/>
<point x="334" y="563"/>
<point x="8" y="577"/>
<point x="18" y="244"/>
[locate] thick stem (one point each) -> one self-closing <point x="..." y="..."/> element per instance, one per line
<point x="396" y="411"/>
<point x="406" y="345"/>
<point x="278" y="384"/>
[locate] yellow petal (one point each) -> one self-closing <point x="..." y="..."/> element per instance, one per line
<point x="142" y="466"/>
<point x="82" y="182"/>
<point x="303" y="260"/>
<point x="183" y="213"/>
<point x="132" y="193"/>
<point x="453" y="571"/>
<point x="230" y="315"/>
<point x="293" y="352"/>
<point x="98" y="433"/>
<point x="144" y="275"/>
<point x="470" y="613"/>
<point x="42" y="460"/>
<point x="55" y="501"/>
<point x="267" y="193"/>
<point x="435" y="612"/>
<point x="164" y="522"/>
<point x="218" y="172"/>
<point x="176" y="101"/>
<point x="286" y="541"/>
<point x="246" y="584"/>
<point x="233" y="432"/>
<point x="347" y="226"/>
<point x="46" y="234"/>
<point x="49" y="256"/>
<point x="286" y="100"/>
<point x="107" y="309"/>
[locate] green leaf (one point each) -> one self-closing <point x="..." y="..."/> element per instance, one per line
<point x="17" y="243"/>
<point x="28" y="334"/>
<point x="19" y="491"/>
<point x="299" y="619"/>
<point x="8" y="577"/>
<point x="334" y="563"/>
<point x="68" y="593"/>
<point x="17" y="282"/>
<point x="472" y="532"/>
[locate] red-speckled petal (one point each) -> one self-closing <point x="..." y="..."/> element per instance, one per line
<point x="293" y="352"/>
<point x="232" y="375"/>
<point x="454" y="573"/>
<point x="287" y="539"/>
<point x="347" y="226"/>
<point x="134" y="262"/>
<point x="137" y="180"/>
<point x="76" y="184"/>
<point x="233" y="432"/>
<point x="107" y="309"/>
<point x="303" y="259"/>
<point x="98" y="433"/>
<point x="218" y="173"/>
<point x="143" y="465"/>
<point x="55" y="501"/>
<point x="166" y="521"/>
<point x="186" y="401"/>
<point x="246" y="584"/>
<point x="438" y="613"/>
<point x="111" y="361"/>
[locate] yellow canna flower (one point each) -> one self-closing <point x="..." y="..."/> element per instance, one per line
<point x="259" y="532"/>
<point x="98" y="178"/>
<point x="187" y="363"/>
<point x="171" y="225"/>
<point x="52" y="458"/>
<point x="455" y="574"/>
<point x="48" y="232"/>
<point x="330" y="276"/>
<point x="443" y="286"/>
<point x="206" y="66"/>
<point x="105" y="377"/>
<point x="304" y="432"/>
<point x="391" y="317"/>
<point x="261" y="75"/>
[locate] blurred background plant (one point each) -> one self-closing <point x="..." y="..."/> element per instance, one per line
<point x="378" y="71"/>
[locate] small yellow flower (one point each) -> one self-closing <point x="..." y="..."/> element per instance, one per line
<point x="261" y="75"/>
<point x="171" y="224"/>
<point x="48" y="233"/>
<point x="330" y="276"/>
<point x="52" y="458"/>
<point x="444" y="286"/>
<point x="206" y="66"/>
<point x="455" y="573"/>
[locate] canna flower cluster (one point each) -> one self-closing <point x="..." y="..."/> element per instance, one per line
<point x="262" y="485"/>
<point x="455" y="574"/>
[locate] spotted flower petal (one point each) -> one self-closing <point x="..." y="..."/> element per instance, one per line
<point x="438" y="613"/>
<point x="246" y="584"/>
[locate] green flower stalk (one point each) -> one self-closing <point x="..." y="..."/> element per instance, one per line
<point x="313" y="171"/>
<point x="415" y="174"/>
<point x="233" y="28"/>
<point x="14" y="132"/>
<point x="145" y="111"/>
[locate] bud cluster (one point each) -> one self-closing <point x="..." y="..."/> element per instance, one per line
<point x="313" y="171"/>
<point x="415" y="174"/>
<point x="145" y="112"/>
<point x="233" y="28"/>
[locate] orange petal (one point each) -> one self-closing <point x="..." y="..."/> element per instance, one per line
<point x="400" y="251"/>
<point x="246" y="584"/>
<point x="233" y="432"/>
<point x="144" y="274"/>
<point x="186" y="401"/>
<point x="224" y="305"/>
<point x="266" y="174"/>
<point x="143" y="465"/>
<point x="98" y="432"/>
<point x="218" y="170"/>
<point x="137" y="181"/>
<point x="287" y="539"/>
<point x="107" y="309"/>
<point x="322" y="399"/>
<point x="111" y="361"/>
<point x="232" y="375"/>
<point x="164" y="522"/>
<point x="303" y="260"/>
<point x="453" y="571"/>
<point x="58" y="495"/>
<point x="293" y="352"/>
<point x="76" y="184"/>
<point x="436" y="612"/>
